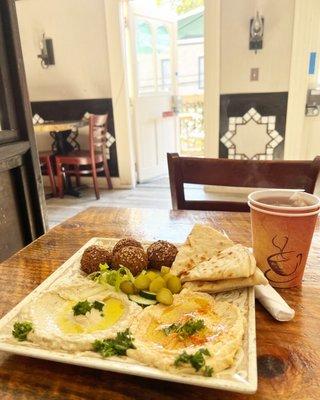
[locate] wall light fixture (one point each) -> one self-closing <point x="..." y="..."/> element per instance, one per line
<point x="256" y="32"/>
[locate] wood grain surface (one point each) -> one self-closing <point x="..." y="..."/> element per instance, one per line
<point x="288" y="353"/>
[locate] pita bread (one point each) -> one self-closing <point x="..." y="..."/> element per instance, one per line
<point x="234" y="262"/>
<point x="202" y="244"/>
<point x="227" y="284"/>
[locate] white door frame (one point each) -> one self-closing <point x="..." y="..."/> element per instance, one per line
<point x="212" y="17"/>
<point x="115" y="27"/>
<point x="117" y="57"/>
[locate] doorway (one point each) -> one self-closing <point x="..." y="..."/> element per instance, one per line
<point x="166" y="73"/>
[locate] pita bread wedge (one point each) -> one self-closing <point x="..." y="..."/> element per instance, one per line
<point x="233" y="262"/>
<point x="202" y="243"/>
<point x="225" y="285"/>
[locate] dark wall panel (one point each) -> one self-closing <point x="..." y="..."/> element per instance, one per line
<point x="266" y="104"/>
<point x="64" y="110"/>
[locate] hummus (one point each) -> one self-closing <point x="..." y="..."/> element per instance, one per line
<point x="57" y="326"/>
<point x="158" y="345"/>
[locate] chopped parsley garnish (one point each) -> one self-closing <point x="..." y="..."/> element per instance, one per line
<point x="98" y="305"/>
<point x="82" y="307"/>
<point x="208" y="371"/>
<point x="196" y="360"/>
<point x="115" y="347"/>
<point x="21" y="330"/>
<point x="185" y="330"/>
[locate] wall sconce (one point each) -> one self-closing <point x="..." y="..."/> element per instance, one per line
<point x="256" y="33"/>
<point x="46" y="55"/>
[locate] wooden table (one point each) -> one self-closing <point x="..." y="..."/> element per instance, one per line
<point x="288" y="353"/>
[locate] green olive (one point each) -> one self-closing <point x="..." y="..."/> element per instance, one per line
<point x="167" y="276"/>
<point x="157" y="284"/>
<point x="127" y="287"/>
<point x="164" y="296"/>
<point x="152" y="275"/>
<point x="174" y="284"/>
<point x="142" y="282"/>
<point x="164" y="270"/>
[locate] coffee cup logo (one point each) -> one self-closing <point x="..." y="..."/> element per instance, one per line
<point x="283" y="264"/>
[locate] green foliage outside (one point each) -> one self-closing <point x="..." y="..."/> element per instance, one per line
<point x="182" y="6"/>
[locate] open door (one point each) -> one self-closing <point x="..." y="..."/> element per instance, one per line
<point x="153" y="75"/>
<point x="22" y="205"/>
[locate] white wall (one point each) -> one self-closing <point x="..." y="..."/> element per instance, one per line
<point x="273" y="60"/>
<point x="311" y="128"/>
<point x="78" y="31"/>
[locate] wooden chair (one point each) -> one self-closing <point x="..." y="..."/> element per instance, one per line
<point x="238" y="173"/>
<point x="45" y="158"/>
<point x="95" y="158"/>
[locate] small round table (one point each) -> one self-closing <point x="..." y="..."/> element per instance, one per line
<point x="64" y="141"/>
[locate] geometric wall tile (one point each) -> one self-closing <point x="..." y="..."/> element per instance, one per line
<point x="246" y="117"/>
<point x="224" y="138"/>
<point x="251" y="112"/>
<point x="243" y="136"/>
<point x="278" y="139"/>
<point x="256" y="117"/>
<point x="273" y="134"/>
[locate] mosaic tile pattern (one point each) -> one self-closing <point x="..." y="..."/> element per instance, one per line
<point x="273" y="137"/>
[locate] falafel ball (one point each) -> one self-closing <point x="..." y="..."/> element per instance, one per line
<point x="124" y="243"/>
<point x="134" y="258"/>
<point x="93" y="256"/>
<point x="161" y="253"/>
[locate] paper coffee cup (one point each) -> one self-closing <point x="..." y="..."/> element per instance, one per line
<point x="281" y="236"/>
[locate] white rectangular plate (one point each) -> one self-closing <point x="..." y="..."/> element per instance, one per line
<point x="244" y="380"/>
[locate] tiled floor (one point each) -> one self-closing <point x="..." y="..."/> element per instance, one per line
<point x="154" y="194"/>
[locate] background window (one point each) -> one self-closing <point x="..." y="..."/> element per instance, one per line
<point x="163" y="41"/>
<point x="165" y="74"/>
<point x="145" y="57"/>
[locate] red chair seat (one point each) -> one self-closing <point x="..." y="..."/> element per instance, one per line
<point x="79" y="157"/>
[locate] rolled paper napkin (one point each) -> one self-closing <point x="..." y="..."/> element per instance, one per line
<point x="274" y="303"/>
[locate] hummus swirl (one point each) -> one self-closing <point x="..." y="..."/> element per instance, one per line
<point x="221" y="333"/>
<point x="55" y="325"/>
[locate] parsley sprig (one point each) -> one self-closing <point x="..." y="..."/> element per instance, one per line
<point x="21" y="330"/>
<point x="185" y="330"/>
<point x="82" y="307"/>
<point x="115" y="347"/>
<point x="196" y="360"/>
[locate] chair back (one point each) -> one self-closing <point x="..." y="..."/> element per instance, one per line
<point x="238" y="173"/>
<point x="98" y="134"/>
